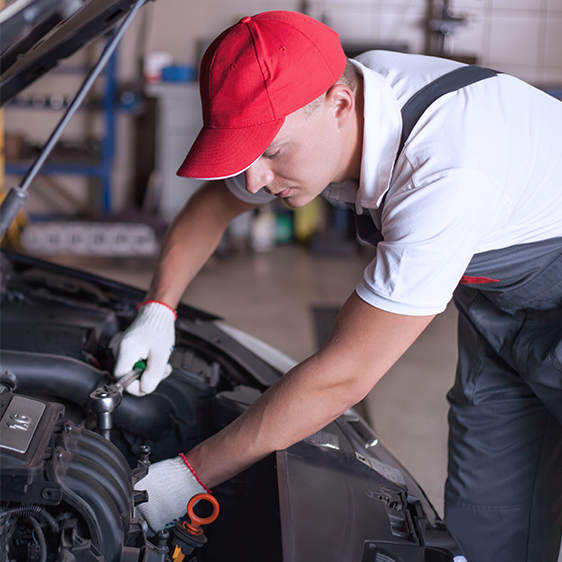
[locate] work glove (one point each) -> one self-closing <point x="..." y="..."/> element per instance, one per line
<point x="150" y="337"/>
<point x="170" y="485"/>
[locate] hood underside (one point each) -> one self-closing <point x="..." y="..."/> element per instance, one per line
<point x="35" y="35"/>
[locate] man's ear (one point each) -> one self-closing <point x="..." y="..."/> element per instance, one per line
<point x="341" y="100"/>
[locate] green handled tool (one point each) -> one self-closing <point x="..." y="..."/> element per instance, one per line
<point x="106" y="398"/>
<point x="132" y="375"/>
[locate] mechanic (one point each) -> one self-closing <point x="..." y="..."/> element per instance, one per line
<point x="471" y="204"/>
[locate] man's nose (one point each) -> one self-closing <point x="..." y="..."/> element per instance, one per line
<point x="258" y="175"/>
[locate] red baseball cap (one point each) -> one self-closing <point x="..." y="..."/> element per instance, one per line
<point x="252" y="76"/>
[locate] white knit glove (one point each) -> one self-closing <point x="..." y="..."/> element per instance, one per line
<point x="170" y="485"/>
<point x="150" y="337"/>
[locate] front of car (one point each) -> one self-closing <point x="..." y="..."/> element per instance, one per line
<point x="337" y="495"/>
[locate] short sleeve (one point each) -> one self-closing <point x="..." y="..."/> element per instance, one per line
<point x="430" y="235"/>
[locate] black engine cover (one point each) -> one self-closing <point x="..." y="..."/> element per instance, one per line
<point x="71" y="481"/>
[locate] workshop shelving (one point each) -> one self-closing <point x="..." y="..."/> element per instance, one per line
<point x="101" y="165"/>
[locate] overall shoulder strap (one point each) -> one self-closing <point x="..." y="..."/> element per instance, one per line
<point x="411" y="112"/>
<point x="455" y="80"/>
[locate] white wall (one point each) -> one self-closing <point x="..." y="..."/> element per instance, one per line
<point x="522" y="37"/>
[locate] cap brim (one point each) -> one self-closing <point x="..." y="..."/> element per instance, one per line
<point x="223" y="153"/>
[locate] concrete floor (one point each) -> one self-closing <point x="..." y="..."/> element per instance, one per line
<point x="270" y="296"/>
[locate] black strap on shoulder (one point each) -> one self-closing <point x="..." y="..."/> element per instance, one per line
<point x="457" y="79"/>
<point x="413" y="109"/>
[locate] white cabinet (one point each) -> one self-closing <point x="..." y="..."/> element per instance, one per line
<point x="179" y="121"/>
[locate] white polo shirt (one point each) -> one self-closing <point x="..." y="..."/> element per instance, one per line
<point x="481" y="170"/>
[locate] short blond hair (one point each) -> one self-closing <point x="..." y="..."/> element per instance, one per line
<point x="349" y="78"/>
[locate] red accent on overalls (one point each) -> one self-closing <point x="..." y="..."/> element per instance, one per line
<point x="467" y="280"/>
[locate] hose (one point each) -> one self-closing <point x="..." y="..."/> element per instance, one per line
<point x="39" y="535"/>
<point x="31" y="510"/>
<point x="64" y="377"/>
<point x="28" y="514"/>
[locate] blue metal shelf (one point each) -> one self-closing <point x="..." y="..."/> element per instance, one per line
<point x="103" y="169"/>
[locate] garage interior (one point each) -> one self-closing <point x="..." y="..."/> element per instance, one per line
<point x="109" y="191"/>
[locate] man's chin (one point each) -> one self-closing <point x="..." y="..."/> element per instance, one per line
<point x="295" y="202"/>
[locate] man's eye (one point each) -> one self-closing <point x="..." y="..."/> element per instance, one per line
<point x="271" y="154"/>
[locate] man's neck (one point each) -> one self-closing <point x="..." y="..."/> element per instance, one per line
<point x="356" y="135"/>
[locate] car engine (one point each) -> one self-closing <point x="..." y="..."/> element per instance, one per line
<point x="71" y="489"/>
<point x="67" y="491"/>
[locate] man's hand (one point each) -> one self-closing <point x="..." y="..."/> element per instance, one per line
<point x="190" y="241"/>
<point x="151" y="337"/>
<point x="170" y="485"/>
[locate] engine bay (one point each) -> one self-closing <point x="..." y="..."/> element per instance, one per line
<point x="67" y="491"/>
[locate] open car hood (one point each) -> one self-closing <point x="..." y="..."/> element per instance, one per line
<point x="35" y="35"/>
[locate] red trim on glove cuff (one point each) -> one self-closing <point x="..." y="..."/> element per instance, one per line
<point x="159" y="302"/>
<point x="194" y="473"/>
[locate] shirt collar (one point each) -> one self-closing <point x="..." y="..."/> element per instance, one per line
<point x="381" y="139"/>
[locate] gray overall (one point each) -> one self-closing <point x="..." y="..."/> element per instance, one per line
<point x="503" y="496"/>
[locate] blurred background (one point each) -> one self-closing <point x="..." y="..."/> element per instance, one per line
<point x="109" y="191"/>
